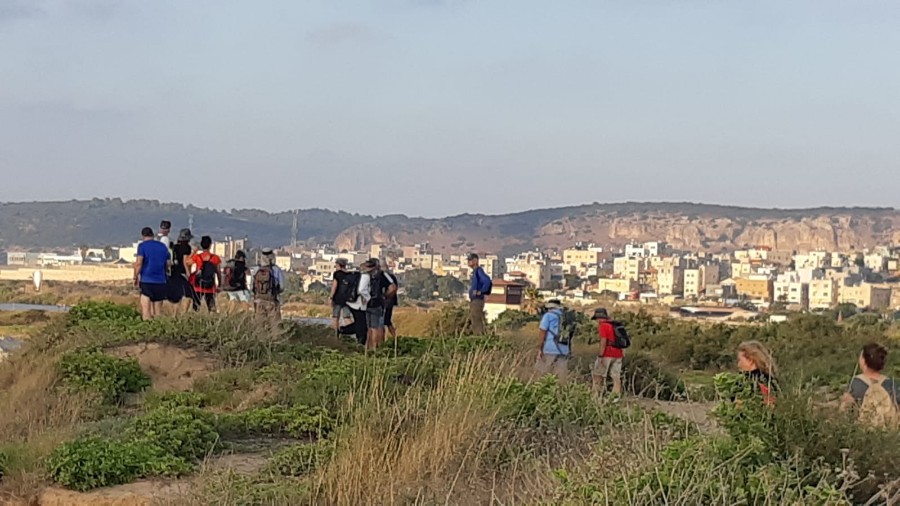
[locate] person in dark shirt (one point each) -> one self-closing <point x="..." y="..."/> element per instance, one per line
<point x="150" y="269"/>
<point x="758" y="367"/>
<point x="182" y="252"/>
<point x="338" y="308"/>
<point x="390" y="303"/>
<point x="236" y="279"/>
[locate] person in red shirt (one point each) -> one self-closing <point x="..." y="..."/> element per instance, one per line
<point x="207" y="279"/>
<point x="609" y="360"/>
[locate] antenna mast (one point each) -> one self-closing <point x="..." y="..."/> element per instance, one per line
<point x="294" y="230"/>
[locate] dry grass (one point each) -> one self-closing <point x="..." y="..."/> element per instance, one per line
<point x="402" y="452"/>
<point x="36" y="417"/>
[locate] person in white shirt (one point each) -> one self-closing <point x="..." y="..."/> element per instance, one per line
<point x="358" y="309"/>
<point x="165" y="226"/>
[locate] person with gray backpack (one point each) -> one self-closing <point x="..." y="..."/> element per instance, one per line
<point x="554" y="345"/>
<point x="873" y="394"/>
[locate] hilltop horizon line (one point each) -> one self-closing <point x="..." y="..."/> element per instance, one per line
<point x="595" y="204"/>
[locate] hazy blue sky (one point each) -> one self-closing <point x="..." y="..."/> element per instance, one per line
<point x="431" y="107"/>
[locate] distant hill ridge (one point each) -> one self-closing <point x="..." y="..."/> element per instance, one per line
<point x="100" y="222"/>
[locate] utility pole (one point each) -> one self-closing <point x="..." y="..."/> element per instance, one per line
<point x="191" y="222"/>
<point x="294" y="230"/>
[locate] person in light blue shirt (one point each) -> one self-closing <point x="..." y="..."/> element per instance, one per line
<point x="553" y="357"/>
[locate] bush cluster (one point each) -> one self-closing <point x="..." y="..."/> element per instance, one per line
<point x="295" y="421"/>
<point x="108" y="376"/>
<point x="300" y="459"/>
<point x="89" y="463"/>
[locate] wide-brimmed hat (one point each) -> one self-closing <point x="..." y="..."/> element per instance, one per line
<point x="185" y="234"/>
<point x="341" y="261"/>
<point x="553" y="304"/>
<point x="600" y="314"/>
<point x="367" y="266"/>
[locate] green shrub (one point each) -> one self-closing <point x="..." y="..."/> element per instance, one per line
<point x="95" y="371"/>
<point x="90" y="463"/>
<point x="648" y="378"/>
<point x="513" y="319"/>
<point x="296" y="421"/>
<point x="184" y="432"/>
<point x="450" y="321"/>
<point x="546" y="403"/>
<point x="301" y="459"/>
<point x="103" y="311"/>
<point x="170" y="400"/>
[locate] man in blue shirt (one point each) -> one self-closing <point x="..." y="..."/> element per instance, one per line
<point x="480" y="288"/>
<point x="553" y="357"/>
<point x="150" y="273"/>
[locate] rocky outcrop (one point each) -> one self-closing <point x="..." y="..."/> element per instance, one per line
<point x="693" y="227"/>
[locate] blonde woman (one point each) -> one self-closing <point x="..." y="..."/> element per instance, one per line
<point x="755" y="361"/>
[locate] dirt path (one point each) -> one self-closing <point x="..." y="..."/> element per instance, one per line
<point x="694" y="412"/>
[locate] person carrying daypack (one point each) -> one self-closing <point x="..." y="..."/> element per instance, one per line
<point x="343" y="290"/>
<point x="875" y="395"/>
<point x="207" y="279"/>
<point x="236" y="279"/>
<point x="381" y="288"/>
<point x="268" y="284"/>
<point x="479" y="288"/>
<point x="554" y="344"/>
<point x="613" y="341"/>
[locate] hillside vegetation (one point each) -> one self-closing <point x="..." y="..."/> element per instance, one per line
<point x="102" y="222"/>
<point x="288" y="414"/>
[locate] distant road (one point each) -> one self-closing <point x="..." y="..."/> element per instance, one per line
<point x="34" y="307"/>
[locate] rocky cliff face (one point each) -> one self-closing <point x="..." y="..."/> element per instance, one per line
<point x="684" y="226"/>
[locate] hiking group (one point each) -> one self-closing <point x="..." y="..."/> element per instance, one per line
<point x="367" y="298"/>
<point x="172" y="272"/>
<point x="363" y="303"/>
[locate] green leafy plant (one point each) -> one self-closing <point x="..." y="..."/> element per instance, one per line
<point x="103" y="311"/>
<point x="301" y="459"/>
<point x="90" y="463"/>
<point x="295" y="421"/>
<point x="184" y="432"/>
<point x="170" y="400"/>
<point x="95" y="371"/>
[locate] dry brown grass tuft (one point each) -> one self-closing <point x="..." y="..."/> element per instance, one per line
<point x="36" y="417"/>
<point x="395" y="452"/>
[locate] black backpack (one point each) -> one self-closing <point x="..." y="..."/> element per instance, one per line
<point x="238" y="276"/>
<point x="622" y="340"/>
<point x="378" y="286"/>
<point x="347" y="289"/>
<point x="568" y="325"/>
<point x="206" y="276"/>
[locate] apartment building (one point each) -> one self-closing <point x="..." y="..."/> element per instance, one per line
<point x="790" y="289"/>
<point x="866" y="295"/>
<point x="647" y="249"/>
<point x="616" y="285"/>
<point x="813" y="259"/>
<point x="757" y="288"/>
<point x="693" y="282"/>
<point x="533" y="268"/>
<point x="493" y="266"/>
<point x="823" y="293"/>
<point x="627" y="267"/>
<point x="670" y="280"/>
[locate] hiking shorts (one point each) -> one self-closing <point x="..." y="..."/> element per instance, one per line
<point x="375" y="318"/>
<point x="339" y="309"/>
<point x="239" y="296"/>
<point x="557" y="365"/>
<point x="606" y="366"/>
<point x="156" y="292"/>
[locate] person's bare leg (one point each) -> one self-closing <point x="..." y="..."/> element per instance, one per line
<point x="146" y="308"/>
<point x="617" y="385"/>
<point x="156" y="309"/>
